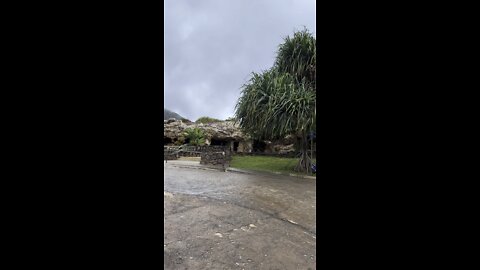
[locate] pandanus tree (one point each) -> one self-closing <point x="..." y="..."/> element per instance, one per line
<point x="282" y="101"/>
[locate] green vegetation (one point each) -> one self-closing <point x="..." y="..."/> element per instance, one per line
<point x="180" y="141"/>
<point x="297" y="57"/>
<point x="264" y="163"/>
<point x="282" y="101"/>
<point x="195" y="136"/>
<point x="207" y="120"/>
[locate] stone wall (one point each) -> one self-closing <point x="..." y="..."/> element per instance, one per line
<point x="170" y="153"/>
<point x="216" y="156"/>
<point x="169" y="156"/>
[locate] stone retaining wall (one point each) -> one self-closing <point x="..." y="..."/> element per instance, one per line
<point x="169" y="155"/>
<point x="213" y="155"/>
<point x="216" y="156"/>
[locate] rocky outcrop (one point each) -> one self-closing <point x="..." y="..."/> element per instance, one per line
<point x="282" y="146"/>
<point x="226" y="130"/>
<point x="173" y="128"/>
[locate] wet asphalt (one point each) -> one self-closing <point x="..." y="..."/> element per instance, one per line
<point x="225" y="220"/>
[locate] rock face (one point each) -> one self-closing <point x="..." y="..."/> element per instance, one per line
<point x="224" y="131"/>
<point x="283" y="146"/>
<point x="173" y="128"/>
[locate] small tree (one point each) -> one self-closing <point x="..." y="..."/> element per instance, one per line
<point x="195" y="136"/>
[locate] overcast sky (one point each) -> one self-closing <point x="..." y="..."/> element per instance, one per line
<point x="212" y="46"/>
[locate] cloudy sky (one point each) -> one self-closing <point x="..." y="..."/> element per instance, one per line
<point x="212" y="46"/>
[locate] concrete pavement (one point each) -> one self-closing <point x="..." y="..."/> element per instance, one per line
<point x="223" y="220"/>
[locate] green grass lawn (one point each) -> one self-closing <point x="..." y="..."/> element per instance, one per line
<point x="265" y="164"/>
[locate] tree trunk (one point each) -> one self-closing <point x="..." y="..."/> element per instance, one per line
<point x="305" y="162"/>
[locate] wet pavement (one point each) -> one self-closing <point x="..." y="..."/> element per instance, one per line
<point x="225" y="220"/>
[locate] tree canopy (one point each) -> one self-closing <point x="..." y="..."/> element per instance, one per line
<point x="282" y="100"/>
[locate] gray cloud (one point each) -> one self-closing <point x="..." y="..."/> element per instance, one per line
<point x="212" y="46"/>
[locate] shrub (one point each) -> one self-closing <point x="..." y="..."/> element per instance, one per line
<point x="180" y="140"/>
<point x="207" y="120"/>
<point x="185" y="120"/>
<point x="195" y="136"/>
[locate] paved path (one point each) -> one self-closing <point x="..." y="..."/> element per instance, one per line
<point x="224" y="220"/>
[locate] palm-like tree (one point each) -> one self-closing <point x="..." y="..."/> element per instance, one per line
<point x="282" y="100"/>
<point x="195" y="136"/>
<point x="297" y="56"/>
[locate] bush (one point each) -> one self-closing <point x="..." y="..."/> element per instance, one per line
<point x="195" y="136"/>
<point x="186" y="121"/>
<point x="207" y="120"/>
<point x="180" y="140"/>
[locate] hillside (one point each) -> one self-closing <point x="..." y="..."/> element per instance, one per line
<point x="167" y="114"/>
